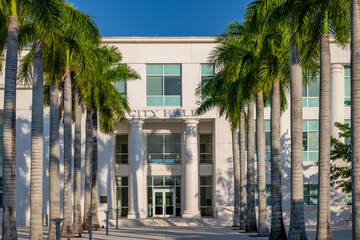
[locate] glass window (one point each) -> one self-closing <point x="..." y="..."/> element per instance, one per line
<point x="207" y="72"/>
<point x="311" y="140"/>
<point x="348" y="139"/>
<point x="268" y="195"/>
<point x="163" y="85"/>
<point x="348" y="198"/>
<point x="347" y="82"/>
<point x="206" y="199"/>
<point x="310" y="93"/>
<point x="206" y="148"/>
<point x="122" y="152"/>
<point x="310" y="194"/>
<point x="164" y="148"/>
<point x="122" y="197"/>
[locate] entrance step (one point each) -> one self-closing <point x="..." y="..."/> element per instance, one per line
<point x="168" y="222"/>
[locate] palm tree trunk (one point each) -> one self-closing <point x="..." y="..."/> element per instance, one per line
<point x="355" y="120"/>
<point x="236" y="166"/>
<point x="94" y="182"/>
<point x="9" y="125"/>
<point x="297" y="223"/>
<point x="54" y="171"/>
<point x="323" y="213"/>
<point x="277" y="231"/>
<point x="250" y="190"/>
<point x="36" y="183"/>
<point x="243" y="211"/>
<point x="67" y="229"/>
<point x="263" y="229"/>
<point x="78" y="228"/>
<point x="88" y="157"/>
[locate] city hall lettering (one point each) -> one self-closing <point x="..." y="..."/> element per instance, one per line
<point x="160" y="113"/>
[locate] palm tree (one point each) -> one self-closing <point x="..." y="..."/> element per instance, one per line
<point x="37" y="146"/>
<point x="78" y="226"/>
<point x="88" y="157"/>
<point x="242" y="135"/>
<point x="9" y="120"/>
<point x="107" y="104"/>
<point x="250" y="190"/>
<point x="355" y="111"/>
<point x="236" y="166"/>
<point x="260" y="152"/>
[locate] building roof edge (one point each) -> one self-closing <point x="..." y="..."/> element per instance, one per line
<point x="158" y="39"/>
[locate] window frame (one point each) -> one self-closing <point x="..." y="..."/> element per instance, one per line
<point x="347" y="77"/>
<point x="309" y="195"/>
<point x="122" y="154"/>
<point x="119" y="188"/>
<point x="306" y="98"/>
<point x="163" y="153"/>
<point x="163" y="96"/>
<point x="307" y="152"/>
<point x="206" y="153"/>
<point x="212" y="196"/>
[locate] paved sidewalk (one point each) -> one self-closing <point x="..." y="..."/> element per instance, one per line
<point x="184" y="233"/>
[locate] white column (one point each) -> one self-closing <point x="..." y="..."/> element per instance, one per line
<point x="137" y="186"/>
<point x="337" y="97"/>
<point x="191" y="209"/>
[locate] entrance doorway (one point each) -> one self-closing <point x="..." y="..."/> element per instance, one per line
<point x="164" y="202"/>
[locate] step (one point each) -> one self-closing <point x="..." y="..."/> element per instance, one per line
<point x="174" y="222"/>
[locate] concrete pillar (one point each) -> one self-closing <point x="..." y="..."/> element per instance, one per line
<point x="191" y="209"/>
<point x="337" y="97"/>
<point x="137" y="183"/>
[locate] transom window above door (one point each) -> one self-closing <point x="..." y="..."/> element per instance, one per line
<point x="163" y="85"/>
<point x="164" y="148"/>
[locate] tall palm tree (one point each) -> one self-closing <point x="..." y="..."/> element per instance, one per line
<point x="36" y="175"/>
<point x="9" y="126"/>
<point x="261" y="176"/>
<point x="77" y="225"/>
<point x="242" y="136"/>
<point x="88" y="157"/>
<point x="107" y="105"/>
<point x="250" y="190"/>
<point x="355" y="123"/>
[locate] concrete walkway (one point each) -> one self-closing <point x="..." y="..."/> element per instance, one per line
<point x="185" y="233"/>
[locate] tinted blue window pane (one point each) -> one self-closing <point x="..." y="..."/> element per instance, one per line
<point x="268" y="156"/>
<point x="120" y="86"/>
<point x="313" y="102"/>
<point x="154" y="86"/>
<point x="304" y="102"/>
<point x="267" y="125"/>
<point x="313" y="156"/>
<point x="314" y="89"/>
<point x="154" y="69"/>
<point x="305" y="125"/>
<point x="172" y="101"/>
<point x="207" y="69"/>
<point x="313" y="125"/>
<point x="347" y="72"/>
<point x="304" y="91"/>
<point x="172" y="70"/>
<point x="154" y="101"/>
<point x="172" y="86"/>
<point x="305" y="156"/>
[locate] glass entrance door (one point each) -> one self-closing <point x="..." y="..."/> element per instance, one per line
<point x="164" y="202"/>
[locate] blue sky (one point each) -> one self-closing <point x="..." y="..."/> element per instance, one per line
<point x="163" y="17"/>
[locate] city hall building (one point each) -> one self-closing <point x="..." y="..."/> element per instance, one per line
<point x="167" y="162"/>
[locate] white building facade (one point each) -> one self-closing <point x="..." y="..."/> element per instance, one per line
<point x="166" y="161"/>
